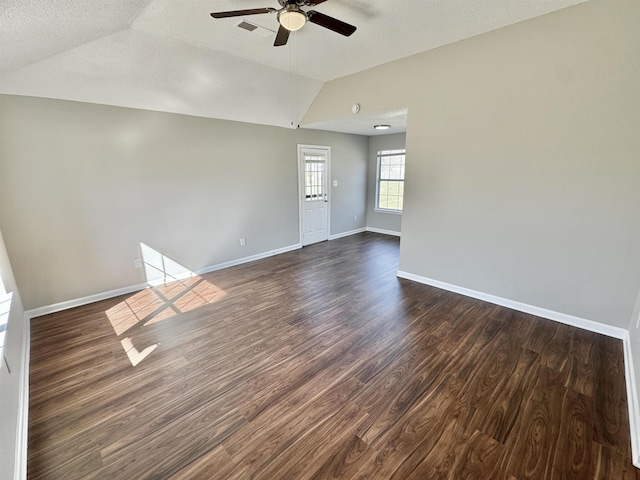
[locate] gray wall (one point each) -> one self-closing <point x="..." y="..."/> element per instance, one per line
<point x="10" y="382"/>
<point x="81" y="185"/>
<point x="385" y="221"/>
<point x="523" y="168"/>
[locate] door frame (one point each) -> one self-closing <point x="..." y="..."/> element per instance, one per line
<point x="301" y="195"/>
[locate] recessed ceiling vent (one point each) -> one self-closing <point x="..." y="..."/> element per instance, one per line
<point x="247" y="26"/>
<point x="250" y="27"/>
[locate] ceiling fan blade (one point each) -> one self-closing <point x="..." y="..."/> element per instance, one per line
<point x="240" y="13"/>
<point x="331" y="23"/>
<point x="281" y="37"/>
<point x="313" y="3"/>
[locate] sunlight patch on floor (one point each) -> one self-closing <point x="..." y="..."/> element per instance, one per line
<point x="173" y="289"/>
<point x="135" y="357"/>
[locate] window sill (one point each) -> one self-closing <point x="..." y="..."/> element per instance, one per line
<point x="392" y="212"/>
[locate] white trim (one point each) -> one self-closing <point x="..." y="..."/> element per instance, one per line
<point x="347" y="234"/>
<point x="632" y="400"/>
<point x="384" y="232"/>
<point x="252" y="258"/>
<point x="78" y="302"/>
<point x="597" y="327"/>
<point x="22" y="430"/>
<point x="164" y="280"/>
<point x="385" y="210"/>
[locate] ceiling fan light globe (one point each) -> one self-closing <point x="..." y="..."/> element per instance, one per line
<point x="292" y="20"/>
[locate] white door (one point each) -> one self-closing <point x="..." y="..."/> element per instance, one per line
<point x="314" y="196"/>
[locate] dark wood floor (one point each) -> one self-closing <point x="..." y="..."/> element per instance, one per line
<point x="319" y="364"/>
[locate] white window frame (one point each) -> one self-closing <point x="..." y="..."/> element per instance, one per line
<point x="379" y="155"/>
<point x="5" y="310"/>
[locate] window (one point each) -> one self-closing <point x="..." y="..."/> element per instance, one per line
<point x="390" y="181"/>
<point x="314" y="177"/>
<point x="5" y="308"/>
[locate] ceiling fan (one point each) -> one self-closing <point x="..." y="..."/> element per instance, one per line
<point x="291" y="18"/>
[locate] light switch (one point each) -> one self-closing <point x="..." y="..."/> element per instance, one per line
<point x="335" y="183"/>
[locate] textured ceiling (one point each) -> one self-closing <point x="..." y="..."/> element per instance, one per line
<point x="172" y="56"/>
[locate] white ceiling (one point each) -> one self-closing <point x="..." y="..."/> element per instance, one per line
<point x="171" y="56"/>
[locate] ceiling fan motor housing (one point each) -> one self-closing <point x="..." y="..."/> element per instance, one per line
<point x="297" y="3"/>
<point x="291" y="16"/>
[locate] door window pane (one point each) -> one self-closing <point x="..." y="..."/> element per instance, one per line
<point x="314" y="177"/>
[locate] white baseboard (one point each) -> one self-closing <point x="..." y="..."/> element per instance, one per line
<point x="78" y="302"/>
<point x="252" y="258"/>
<point x="384" y="232"/>
<point x="585" y="324"/>
<point x="364" y="229"/>
<point x="632" y="401"/>
<point x="22" y="430"/>
<point x="346" y="234"/>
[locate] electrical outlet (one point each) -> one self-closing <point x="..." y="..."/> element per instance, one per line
<point x="355" y="218"/>
<point x="137" y="262"/>
<point x="243" y="242"/>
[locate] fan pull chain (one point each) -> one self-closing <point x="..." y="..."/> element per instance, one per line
<point x="299" y="115"/>
<point x="292" y="80"/>
<point x="290" y="83"/>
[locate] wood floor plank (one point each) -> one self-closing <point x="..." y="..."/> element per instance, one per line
<point x="534" y="438"/>
<point x="573" y="454"/>
<point x="216" y="462"/>
<point x="316" y="364"/>
<point x="409" y="440"/>
<point x="491" y="375"/>
<point x="82" y="465"/>
<point x="611" y="421"/>
<point x="345" y="460"/>
<point x="316" y="402"/>
<point x="387" y="405"/>
<point x="554" y="354"/>
<point x="479" y="458"/>
<point x="301" y="459"/>
<point x="608" y="463"/>
<point x="172" y="447"/>
<point x="441" y="460"/>
<point x="498" y="420"/>
<point x="581" y="364"/>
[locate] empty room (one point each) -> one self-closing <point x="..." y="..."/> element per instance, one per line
<point x="314" y="239"/>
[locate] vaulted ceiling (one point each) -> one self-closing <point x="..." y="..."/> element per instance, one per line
<point x="171" y="56"/>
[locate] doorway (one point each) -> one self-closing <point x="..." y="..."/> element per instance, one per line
<point x="314" y="199"/>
